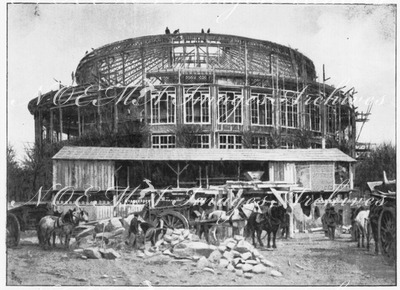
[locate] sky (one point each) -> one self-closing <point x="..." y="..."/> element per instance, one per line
<point x="356" y="43"/>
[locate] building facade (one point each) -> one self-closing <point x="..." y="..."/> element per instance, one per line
<point x="201" y="91"/>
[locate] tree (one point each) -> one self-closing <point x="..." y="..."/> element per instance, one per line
<point x="381" y="158"/>
<point x="18" y="178"/>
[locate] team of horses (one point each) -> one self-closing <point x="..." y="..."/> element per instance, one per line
<point x="249" y="219"/>
<point x="61" y="225"/>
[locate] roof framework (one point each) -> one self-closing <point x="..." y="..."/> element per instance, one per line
<point x="127" y="62"/>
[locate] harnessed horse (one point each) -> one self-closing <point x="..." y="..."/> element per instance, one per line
<point x="236" y="218"/>
<point x="269" y="221"/>
<point x="63" y="225"/>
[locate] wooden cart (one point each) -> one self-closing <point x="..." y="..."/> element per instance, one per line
<point x="24" y="216"/>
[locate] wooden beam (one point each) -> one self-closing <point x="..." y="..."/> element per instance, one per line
<point x="79" y="121"/>
<point x="61" y="122"/>
<point x="207" y="181"/>
<point x="245" y="64"/>
<point x="51" y="125"/>
<point x="291" y="215"/>
<point x="123" y="68"/>
<point x="178" y="171"/>
<point x="115" y="117"/>
<point x="99" y="112"/>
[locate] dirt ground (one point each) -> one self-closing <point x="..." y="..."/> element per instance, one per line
<point x="307" y="259"/>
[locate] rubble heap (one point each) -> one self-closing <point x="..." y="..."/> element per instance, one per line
<point x="106" y="238"/>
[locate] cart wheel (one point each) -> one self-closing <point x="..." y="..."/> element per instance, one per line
<point x="174" y="220"/>
<point x="387" y="235"/>
<point x="13" y="230"/>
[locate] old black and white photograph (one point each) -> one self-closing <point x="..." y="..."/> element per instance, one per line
<point x="168" y="144"/>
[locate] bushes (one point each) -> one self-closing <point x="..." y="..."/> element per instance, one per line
<point x="382" y="158"/>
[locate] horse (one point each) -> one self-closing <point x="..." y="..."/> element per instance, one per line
<point x="49" y="226"/>
<point x="330" y="220"/>
<point x="236" y="218"/>
<point x="49" y="223"/>
<point x="67" y="229"/>
<point x="362" y="227"/>
<point x="270" y="221"/>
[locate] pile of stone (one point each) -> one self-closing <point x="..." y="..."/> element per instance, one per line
<point x="102" y="239"/>
<point x="171" y="239"/>
<point x="97" y="253"/>
<point x="238" y="256"/>
<point x="97" y="240"/>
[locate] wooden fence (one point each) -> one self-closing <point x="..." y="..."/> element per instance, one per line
<point x="104" y="211"/>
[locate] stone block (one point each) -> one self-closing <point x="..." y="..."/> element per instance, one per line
<point x="246" y="255"/>
<point x="244" y="246"/>
<point x="276" y="273"/>
<point x="247" y="267"/>
<point x="258" y="269"/>
<point x="239" y="272"/>
<point x="222" y="248"/>
<point x="202" y="263"/>
<point x="109" y="254"/>
<point x="231" y="245"/>
<point x="228" y="255"/>
<point x="92" y="253"/>
<point x="251" y="262"/>
<point x="223" y="263"/>
<point x="267" y="263"/>
<point x="215" y="257"/>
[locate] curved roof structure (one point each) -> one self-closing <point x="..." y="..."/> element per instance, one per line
<point x="125" y="62"/>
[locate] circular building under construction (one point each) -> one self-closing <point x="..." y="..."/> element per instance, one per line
<point x="197" y="90"/>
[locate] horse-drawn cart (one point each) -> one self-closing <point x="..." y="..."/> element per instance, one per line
<point x="387" y="229"/>
<point x="24" y="216"/>
<point x="383" y="217"/>
<point x="174" y="217"/>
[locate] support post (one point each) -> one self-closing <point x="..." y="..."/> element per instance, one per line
<point x="99" y="112"/>
<point x="152" y="199"/>
<point x="291" y="215"/>
<point x="207" y="182"/>
<point x="351" y="175"/>
<point x="177" y="176"/>
<point x="61" y="123"/>
<point x="115" y="118"/>
<point x="245" y="64"/>
<point x="230" y="194"/>
<point x="51" y="126"/>
<point x="199" y="175"/>
<point x="79" y="122"/>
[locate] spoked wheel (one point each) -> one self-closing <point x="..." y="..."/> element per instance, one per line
<point x="13" y="230"/>
<point x="387" y="235"/>
<point x="174" y="220"/>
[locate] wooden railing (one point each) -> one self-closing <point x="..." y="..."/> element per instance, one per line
<point x="104" y="211"/>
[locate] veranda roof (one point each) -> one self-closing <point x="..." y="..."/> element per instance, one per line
<point x="194" y="154"/>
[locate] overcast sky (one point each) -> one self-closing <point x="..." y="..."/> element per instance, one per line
<point x="356" y="44"/>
